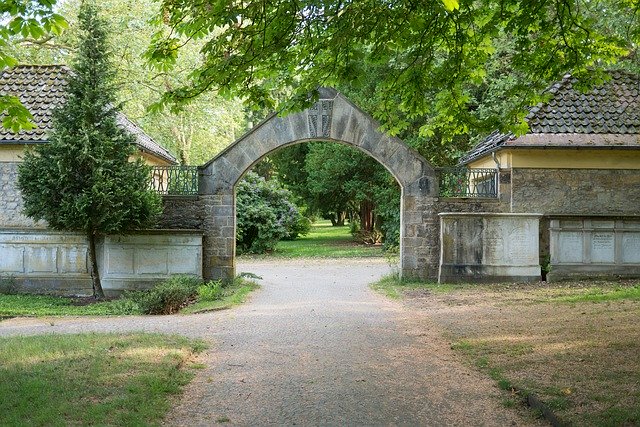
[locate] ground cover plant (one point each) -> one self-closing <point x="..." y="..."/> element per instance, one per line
<point x="574" y="345"/>
<point x="326" y="241"/>
<point x="93" y="379"/>
<point x="178" y="294"/>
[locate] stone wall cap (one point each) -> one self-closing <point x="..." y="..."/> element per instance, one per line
<point x="485" y="214"/>
<point x="23" y="230"/>
<point x="590" y="216"/>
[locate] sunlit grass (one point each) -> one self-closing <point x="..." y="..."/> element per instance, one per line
<point x="92" y="379"/>
<point x="233" y="294"/>
<point x="42" y="305"/>
<point x="326" y="241"/>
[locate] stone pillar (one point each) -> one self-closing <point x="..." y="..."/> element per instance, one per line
<point x="218" y="243"/>
<point x="419" y="232"/>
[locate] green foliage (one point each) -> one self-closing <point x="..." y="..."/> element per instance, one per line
<point x="167" y="297"/>
<point x="23" y="20"/>
<point x="92" y="379"/>
<point x="265" y="214"/>
<point x="333" y="179"/>
<point x="210" y="291"/>
<point x="436" y="53"/>
<point x="223" y="295"/>
<point x="82" y="179"/>
<point x="8" y="285"/>
<point x="195" y="132"/>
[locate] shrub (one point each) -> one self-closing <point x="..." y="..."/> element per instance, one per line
<point x="265" y="215"/>
<point x="210" y="291"/>
<point x="8" y="285"/>
<point x="167" y="297"/>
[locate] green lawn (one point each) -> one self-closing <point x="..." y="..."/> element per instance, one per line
<point x="326" y="241"/>
<point x="93" y="379"/>
<point x="43" y="305"/>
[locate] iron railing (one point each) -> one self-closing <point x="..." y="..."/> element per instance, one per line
<point x="464" y="182"/>
<point x="175" y="180"/>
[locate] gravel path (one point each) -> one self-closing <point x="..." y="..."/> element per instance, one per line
<point x="314" y="346"/>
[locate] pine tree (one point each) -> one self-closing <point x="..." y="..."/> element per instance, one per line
<point x="83" y="178"/>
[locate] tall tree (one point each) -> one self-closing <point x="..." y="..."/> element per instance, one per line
<point x="434" y="51"/>
<point x="82" y="179"/>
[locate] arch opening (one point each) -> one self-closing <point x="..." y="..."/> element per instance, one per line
<point x="332" y="119"/>
<point x="324" y="180"/>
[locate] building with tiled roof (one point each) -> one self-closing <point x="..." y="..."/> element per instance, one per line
<point x="578" y="166"/>
<point x="41" y="88"/>
<point x="607" y="117"/>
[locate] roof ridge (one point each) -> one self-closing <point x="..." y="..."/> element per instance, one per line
<point x="41" y="88"/>
<point x="609" y="109"/>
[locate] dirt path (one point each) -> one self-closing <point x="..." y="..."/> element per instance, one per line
<point x="314" y="346"/>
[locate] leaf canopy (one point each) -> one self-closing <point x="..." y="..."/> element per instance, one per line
<point x="277" y="53"/>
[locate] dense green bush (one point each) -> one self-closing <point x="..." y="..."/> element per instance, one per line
<point x="265" y="215"/>
<point x="168" y="296"/>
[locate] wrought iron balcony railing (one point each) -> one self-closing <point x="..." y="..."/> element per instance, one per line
<point x="465" y="182"/>
<point x="175" y="180"/>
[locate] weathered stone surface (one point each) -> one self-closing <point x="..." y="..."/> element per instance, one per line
<point x="576" y="191"/>
<point x="336" y="120"/>
<point x="44" y="261"/>
<point x="11" y="200"/>
<point x="489" y="247"/>
<point x="596" y="246"/>
<point x="181" y="213"/>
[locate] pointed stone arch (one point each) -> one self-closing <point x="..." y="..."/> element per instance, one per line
<point x="334" y="119"/>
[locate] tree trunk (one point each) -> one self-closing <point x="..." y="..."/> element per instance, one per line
<point x="367" y="220"/>
<point x="98" y="293"/>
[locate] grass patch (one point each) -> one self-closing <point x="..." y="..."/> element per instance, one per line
<point x="326" y="241"/>
<point x="600" y="294"/>
<point x="233" y="294"/>
<point x="571" y="346"/>
<point x="393" y="287"/>
<point x="23" y="305"/>
<point x="92" y="379"/>
<point x="42" y="305"/>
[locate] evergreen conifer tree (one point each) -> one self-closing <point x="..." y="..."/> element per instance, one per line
<point x="83" y="179"/>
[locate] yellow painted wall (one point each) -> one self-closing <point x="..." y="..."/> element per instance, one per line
<point x="13" y="153"/>
<point x="562" y="159"/>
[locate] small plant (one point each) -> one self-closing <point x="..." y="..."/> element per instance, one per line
<point x="210" y="291"/>
<point x="169" y="296"/>
<point x="8" y="285"/>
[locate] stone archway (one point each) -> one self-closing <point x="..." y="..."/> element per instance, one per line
<point x="333" y="118"/>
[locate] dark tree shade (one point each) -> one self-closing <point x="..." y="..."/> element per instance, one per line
<point x="83" y="179"/>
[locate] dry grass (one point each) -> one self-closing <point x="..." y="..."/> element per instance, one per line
<point x="576" y="345"/>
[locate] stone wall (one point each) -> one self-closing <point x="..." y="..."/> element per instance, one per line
<point x="576" y="191"/>
<point x="45" y="261"/>
<point x="595" y="246"/>
<point x="488" y="247"/>
<point x="333" y="118"/>
<point x="181" y="213"/>
<point x="10" y="199"/>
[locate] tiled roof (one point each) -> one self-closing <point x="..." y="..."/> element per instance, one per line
<point x="608" y="115"/>
<point x="40" y="89"/>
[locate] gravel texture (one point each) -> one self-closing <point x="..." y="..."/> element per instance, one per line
<point x="315" y="346"/>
